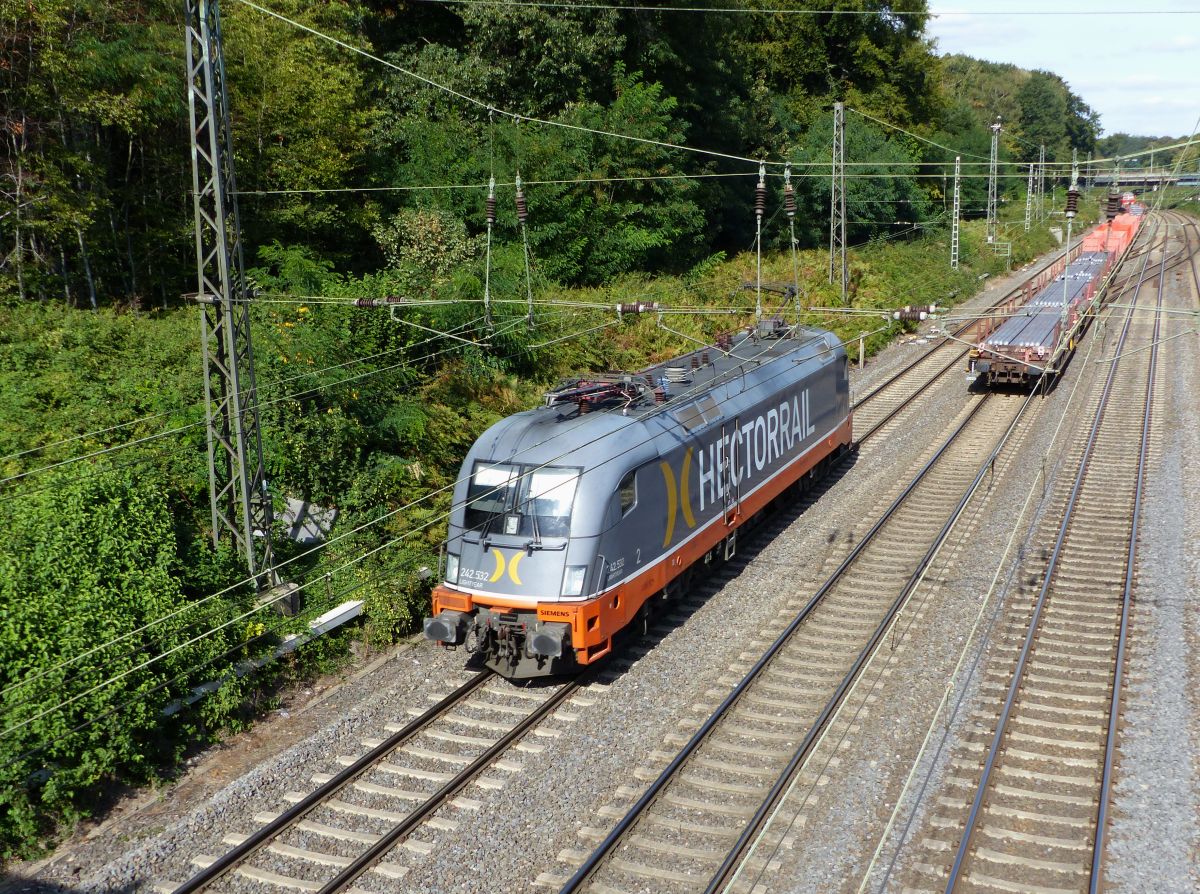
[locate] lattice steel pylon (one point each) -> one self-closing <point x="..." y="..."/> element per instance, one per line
<point x="991" y="199"/>
<point x="1041" y="183"/>
<point x="837" y="199"/>
<point x="954" y="219"/>
<point x="241" y="504"/>
<point x="1029" y="198"/>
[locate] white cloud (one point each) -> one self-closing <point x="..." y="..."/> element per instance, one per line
<point x="1134" y="70"/>
<point x="1179" y="43"/>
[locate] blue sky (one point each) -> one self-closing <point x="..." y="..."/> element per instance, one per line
<point x="1140" y="72"/>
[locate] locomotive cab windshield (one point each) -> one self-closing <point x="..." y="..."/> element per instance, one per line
<point x="520" y="501"/>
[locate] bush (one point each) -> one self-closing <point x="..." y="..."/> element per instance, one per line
<point x="87" y="561"/>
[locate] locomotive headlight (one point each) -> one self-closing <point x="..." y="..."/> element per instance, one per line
<point x="573" y="580"/>
<point x="451" y="569"/>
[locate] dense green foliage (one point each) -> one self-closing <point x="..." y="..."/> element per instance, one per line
<point x="116" y="603"/>
<point x="97" y="154"/>
<point x="1035" y="107"/>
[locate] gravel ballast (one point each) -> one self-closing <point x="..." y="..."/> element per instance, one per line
<point x="1154" y="840"/>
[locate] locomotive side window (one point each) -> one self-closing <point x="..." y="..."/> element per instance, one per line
<point x="628" y="491"/>
<point x="710" y="408"/>
<point x="690" y="417"/>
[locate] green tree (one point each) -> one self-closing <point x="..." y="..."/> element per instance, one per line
<point x="301" y="115"/>
<point x="1043" y="117"/>
<point x="92" y="121"/>
<point x="1083" y="124"/>
<point x="881" y="63"/>
<point x="580" y="233"/>
<point x="882" y="192"/>
<point x="959" y="129"/>
<point x="86" y="562"/>
<point x="987" y="88"/>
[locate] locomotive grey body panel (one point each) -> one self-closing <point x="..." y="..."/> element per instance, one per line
<point x="558" y="505"/>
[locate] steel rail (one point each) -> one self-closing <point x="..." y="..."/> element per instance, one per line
<point x="972" y="821"/>
<point x="905" y="371"/>
<point x="370" y="857"/>
<point x="1191" y="223"/>
<point x="229" y="861"/>
<point x="263" y="836"/>
<point x="1175" y="260"/>
<point x="895" y="411"/>
<point x="945" y="369"/>
<point x="267" y="833"/>
<point x="1126" y="602"/>
<point x="761" y="817"/>
<point x="583" y="874"/>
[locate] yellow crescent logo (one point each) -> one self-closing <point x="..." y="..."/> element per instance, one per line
<point x="499" y="572"/>
<point x="677" y="495"/>
<point x="512" y="567"/>
<point x="669" y="479"/>
<point x="684" y="477"/>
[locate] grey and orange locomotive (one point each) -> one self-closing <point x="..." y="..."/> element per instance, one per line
<point x="572" y="520"/>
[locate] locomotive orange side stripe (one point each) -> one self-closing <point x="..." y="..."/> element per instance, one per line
<point x="594" y="622"/>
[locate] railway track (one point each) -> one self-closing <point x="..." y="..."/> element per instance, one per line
<point x="710" y="788"/>
<point x="1025" y="807"/>
<point x="355" y="821"/>
<point x="699" y="814"/>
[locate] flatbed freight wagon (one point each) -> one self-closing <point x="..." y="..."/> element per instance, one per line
<point x="1036" y="335"/>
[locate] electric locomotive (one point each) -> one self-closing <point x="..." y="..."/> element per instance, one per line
<point x="569" y="520"/>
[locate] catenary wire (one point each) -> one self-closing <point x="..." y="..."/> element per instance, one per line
<point x="683" y="396"/>
<point x="226" y="590"/>
<point x="1058" y="169"/>
<point x="518" y="117"/>
<point x="150" y="418"/>
<point x="789" y="824"/>
<point x="513" y="324"/>
<point x="324" y="545"/>
<point x="275" y="628"/>
<point x="909" y="133"/>
<point x="183" y="428"/>
<point x="266" y="386"/>
<point x="27" y="680"/>
<point x="484" y="186"/>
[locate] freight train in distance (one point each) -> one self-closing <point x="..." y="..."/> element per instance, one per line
<point x="1032" y="338"/>
<point x="575" y="519"/>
